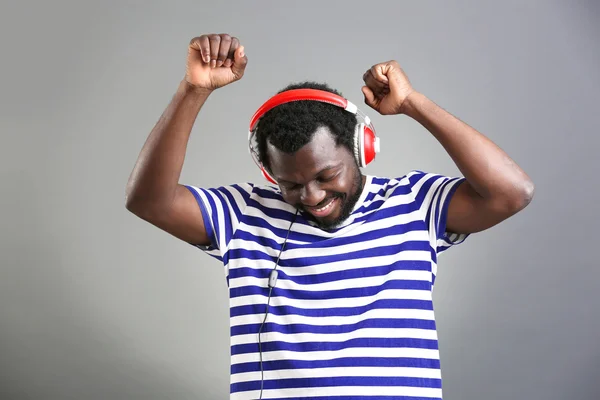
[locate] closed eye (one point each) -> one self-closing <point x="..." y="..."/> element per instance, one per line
<point x="291" y="186"/>
<point x="328" y="178"/>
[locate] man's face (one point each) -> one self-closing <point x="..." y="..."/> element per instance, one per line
<point x="321" y="179"/>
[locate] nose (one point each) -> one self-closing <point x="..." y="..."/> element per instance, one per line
<point x="312" y="195"/>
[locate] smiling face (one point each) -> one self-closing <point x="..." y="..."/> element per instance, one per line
<point x="321" y="178"/>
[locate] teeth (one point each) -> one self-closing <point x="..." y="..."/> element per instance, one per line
<point x="325" y="208"/>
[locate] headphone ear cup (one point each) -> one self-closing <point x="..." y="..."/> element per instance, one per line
<point x="358" y="135"/>
<point x="370" y="145"/>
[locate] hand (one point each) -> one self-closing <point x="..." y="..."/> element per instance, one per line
<point x="387" y="87"/>
<point x="214" y="61"/>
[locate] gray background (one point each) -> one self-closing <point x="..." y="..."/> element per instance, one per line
<point x="97" y="304"/>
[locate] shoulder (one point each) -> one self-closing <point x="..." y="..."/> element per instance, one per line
<point x="416" y="185"/>
<point x="418" y="180"/>
<point x="241" y="192"/>
<point x="393" y="186"/>
<point x="267" y="203"/>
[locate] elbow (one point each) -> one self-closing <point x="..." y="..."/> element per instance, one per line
<point x="130" y="197"/>
<point x="132" y="203"/>
<point x="522" y="196"/>
<point x="140" y="208"/>
<point x="529" y="191"/>
<point x="136" y="199"/>
<point x="136" y="203"/>
<point x="512" y="201"/>
<point x="144" y="206"/>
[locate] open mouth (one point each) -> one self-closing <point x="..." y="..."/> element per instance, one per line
<point x="324" y="210"/>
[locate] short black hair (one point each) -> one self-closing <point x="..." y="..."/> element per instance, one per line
<point x="290" y="126"/>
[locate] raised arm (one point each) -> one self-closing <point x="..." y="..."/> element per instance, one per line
<point x="153" y="192"/>
<point x="495" y="188"/>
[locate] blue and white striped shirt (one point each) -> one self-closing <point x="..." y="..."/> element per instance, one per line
<point x="351" y="316"/>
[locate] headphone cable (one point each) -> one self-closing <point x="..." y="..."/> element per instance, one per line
<point x="272" y="282"/>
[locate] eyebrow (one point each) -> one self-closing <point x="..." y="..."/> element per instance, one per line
<point x="327" y="168"/>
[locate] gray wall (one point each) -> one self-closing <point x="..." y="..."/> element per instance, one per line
<point x="97" y="304"/>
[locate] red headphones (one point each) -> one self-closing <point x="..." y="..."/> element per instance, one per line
<point x="366" y="143"/>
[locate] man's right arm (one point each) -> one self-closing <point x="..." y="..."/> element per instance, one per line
<point x="153" y="192"/>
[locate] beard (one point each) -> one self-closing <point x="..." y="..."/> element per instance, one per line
<point x="348" y="202"/>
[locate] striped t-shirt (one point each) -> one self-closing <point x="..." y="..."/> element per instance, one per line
<point x="351" y="316"/>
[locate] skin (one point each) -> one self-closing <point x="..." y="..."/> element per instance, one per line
<point x="495" y="187"/>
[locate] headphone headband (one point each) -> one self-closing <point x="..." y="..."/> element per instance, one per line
<point x="301" y="94"/>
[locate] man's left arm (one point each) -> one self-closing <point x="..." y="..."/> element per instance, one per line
<point x="495" y="187"/>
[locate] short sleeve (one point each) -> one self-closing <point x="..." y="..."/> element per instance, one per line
<point x="222" y="209"/>
<point x="434" y="193"/>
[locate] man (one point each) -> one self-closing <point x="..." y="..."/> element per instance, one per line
<point x="330" y="272"/>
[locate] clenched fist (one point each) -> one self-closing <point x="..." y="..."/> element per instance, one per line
<point x="215" y="60"/>
<point x="386" y="87"/>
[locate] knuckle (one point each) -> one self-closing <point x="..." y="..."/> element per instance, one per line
<point x="225" y="37"/>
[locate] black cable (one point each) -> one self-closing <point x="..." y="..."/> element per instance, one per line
<point x="271" y="282"/>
